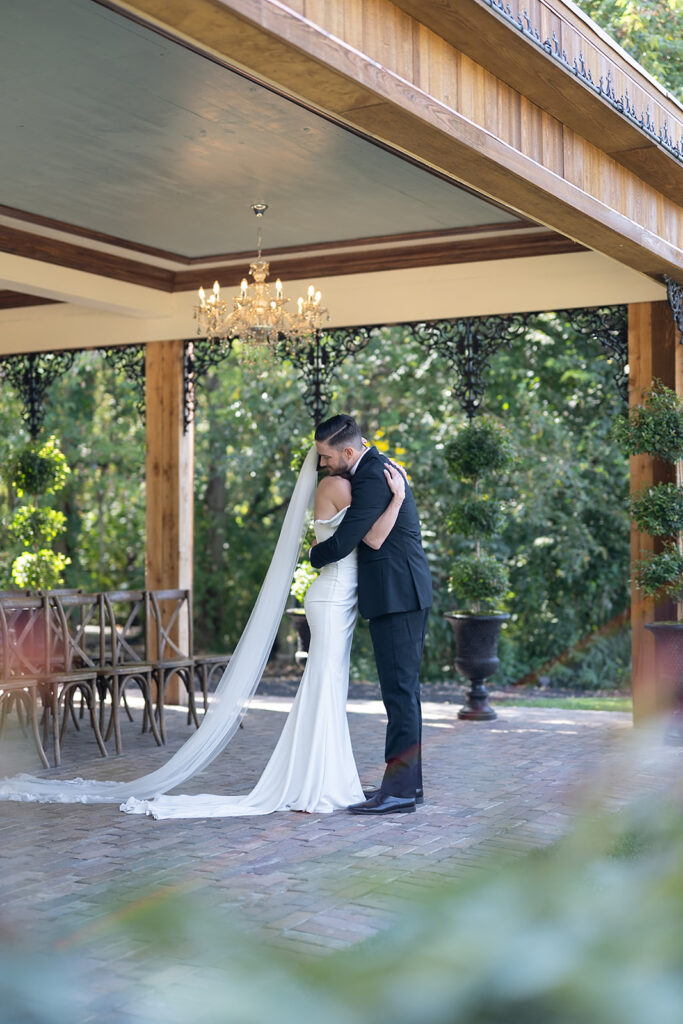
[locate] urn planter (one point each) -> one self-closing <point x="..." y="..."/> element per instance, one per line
<point x="476" y="658"/>
<point x="669" y="676"/>
<point x="303" y="633"/>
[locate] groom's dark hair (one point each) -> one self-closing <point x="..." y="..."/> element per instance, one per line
<point x="339" y="432"/>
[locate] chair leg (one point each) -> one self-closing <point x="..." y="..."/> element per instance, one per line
<point x="191" y="705"/>
<point x="73" y="712"/>
<point x="20" y="713"/>
<point x="115" y="700"/>
<point x="161" y="687"/>
<point x="54" y="707"/>
<point x="4" y="702"/>
<point x="32" y="714"/>
<point x="90" y="700"/>
<point x="149" y="712"/>
<point x="125" y="704"/>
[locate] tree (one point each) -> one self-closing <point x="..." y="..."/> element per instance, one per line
<point x="651" y="32"/>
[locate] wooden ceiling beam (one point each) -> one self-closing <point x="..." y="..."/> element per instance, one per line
<point x="474" y="29"/>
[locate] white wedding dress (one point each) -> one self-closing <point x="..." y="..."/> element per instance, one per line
<point x="312" y="767"/>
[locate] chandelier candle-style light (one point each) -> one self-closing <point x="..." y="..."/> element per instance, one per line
<point x="258" y="318"/>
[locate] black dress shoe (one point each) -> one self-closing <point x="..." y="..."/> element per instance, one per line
<point x="419" y="794"/>
<point x="384" y="803"/>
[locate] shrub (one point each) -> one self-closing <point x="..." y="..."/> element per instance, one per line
<point x="655" y="427"/>
<point x="476" y="517"/>
<point x="304" y="575"/>
<point x="39" y="570"/>
<point x="39" y="468"/>
<point x="480" y="447"/>
<point x="661" y="575"/>
<point x="658" y="510"/>
<point x="480" y="582"/>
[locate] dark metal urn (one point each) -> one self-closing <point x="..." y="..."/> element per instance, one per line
<point x="669" y="680"/>
<point x="303" y="633"/>
<point x="476" y="658"/>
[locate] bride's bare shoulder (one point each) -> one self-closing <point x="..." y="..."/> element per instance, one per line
<point x="333" y="494"/>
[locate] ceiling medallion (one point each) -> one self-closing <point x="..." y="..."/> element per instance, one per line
<point x="258" y="319"/>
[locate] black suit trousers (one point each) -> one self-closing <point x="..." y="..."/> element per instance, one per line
<point x="398" y="641"/>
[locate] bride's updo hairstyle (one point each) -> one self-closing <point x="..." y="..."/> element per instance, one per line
<point x="339" y="431"/>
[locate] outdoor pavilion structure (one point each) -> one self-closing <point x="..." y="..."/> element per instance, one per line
<point x="432" y="162"/>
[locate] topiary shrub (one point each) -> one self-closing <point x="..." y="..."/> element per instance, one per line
<point x="38" y="469"/>
<point x="478" y="581"/>
<point x="661" y="575"/>
<point x="655" y="427"/>
<point x="658" y="510"/>
<point x="481" y="447"/>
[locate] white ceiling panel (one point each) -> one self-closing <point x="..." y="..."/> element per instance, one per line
<point x="108" y="126"/>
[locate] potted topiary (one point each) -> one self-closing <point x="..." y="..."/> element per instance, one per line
<point x="478" y="580"/>
<point x="655" y="428"/>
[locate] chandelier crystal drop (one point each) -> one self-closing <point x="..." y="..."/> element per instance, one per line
<point x="258" y="318"/>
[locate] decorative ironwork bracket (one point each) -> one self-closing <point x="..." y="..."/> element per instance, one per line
<point x="674" y="293"/>
<point x="468" y="344"/>
<point x="604" y="87"/>
<point x="200" y="355"/>
<point x="317" y="362"/>
<point x="31" y="375"/>
<point x="609" y="326"/>
<point x="130" y="360"/>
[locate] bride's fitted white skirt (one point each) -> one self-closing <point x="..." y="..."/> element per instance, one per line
<point x="312" y="767"/>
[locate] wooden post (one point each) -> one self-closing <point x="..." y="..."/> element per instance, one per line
<point x="170" y="478"/>
<point x="654" y="353"/>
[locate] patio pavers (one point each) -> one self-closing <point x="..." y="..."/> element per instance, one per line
<point x="309" y="883"/>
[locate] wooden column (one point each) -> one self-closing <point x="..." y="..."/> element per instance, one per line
<point x="654" y="352"/>
<point x="170" y="477"/>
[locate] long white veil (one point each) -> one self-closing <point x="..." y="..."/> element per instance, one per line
<point x="232" y="695"/>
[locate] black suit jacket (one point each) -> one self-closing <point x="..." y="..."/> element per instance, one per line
<point x="396" y="577"/>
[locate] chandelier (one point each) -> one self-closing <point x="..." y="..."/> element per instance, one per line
<point x="259" y="319"/>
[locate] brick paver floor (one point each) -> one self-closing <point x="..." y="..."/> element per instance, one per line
<point x="312" y="883"/>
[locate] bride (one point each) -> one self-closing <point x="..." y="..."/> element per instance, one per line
<point x="312" y="767"/>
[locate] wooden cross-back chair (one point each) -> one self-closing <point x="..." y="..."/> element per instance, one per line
<point x="125" y="612"/>
<point x="169" y="615"/>
<point x="77" y="654"/>
<point x="21" y="672"/>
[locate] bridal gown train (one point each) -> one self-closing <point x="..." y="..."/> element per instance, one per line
<point x="312" y="767"/>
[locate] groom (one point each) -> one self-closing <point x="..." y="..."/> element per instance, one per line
<point x="394" y="593"/>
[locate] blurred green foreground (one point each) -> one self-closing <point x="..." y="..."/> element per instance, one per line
<point x="588" y="931"/>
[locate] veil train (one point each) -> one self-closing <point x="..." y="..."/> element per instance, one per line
<point x="232" y="695"/>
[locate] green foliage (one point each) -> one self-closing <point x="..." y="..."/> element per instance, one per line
<point x="482" y="446"/>
<point x="605" y="663"/>
<point x="304" y="575"/>
<point x="479" y="583"/>
<point x="476" y="517"/>
<point x="39" y="570"/>
<point x="300" y="450"/>
<point x="38" y="468"/>
<point x="661" y="575"/>
<point x="565" y="539"/>
<point x="651" y="32"/>
<point x="658" y="510"/>
<point x="36" y="526"/>
<point x="655" y="427"/>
